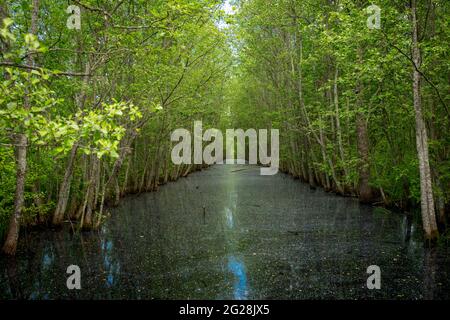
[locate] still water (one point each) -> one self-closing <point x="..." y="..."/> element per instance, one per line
<point x="229" y="233"/>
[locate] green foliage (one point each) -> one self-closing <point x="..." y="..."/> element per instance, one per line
<point x="99" y="104"/>
<point x="105" y="97"/>
<point x="293" y="55"/>
<point x="7" y="184"/>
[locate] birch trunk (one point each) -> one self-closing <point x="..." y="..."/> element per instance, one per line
<point x="426" y="190"/>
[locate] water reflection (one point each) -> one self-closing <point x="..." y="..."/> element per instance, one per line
<point x="47" y="260"/>
<point x="229" y="218"/>
<point x="237" y="268"/>
<point x="111" y="268"/>
<point x="429" y="276"/>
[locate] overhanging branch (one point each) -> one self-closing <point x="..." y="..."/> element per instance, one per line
<point x="57" y="73"/>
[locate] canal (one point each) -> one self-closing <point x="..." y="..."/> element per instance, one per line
<point x="229" y="233"/>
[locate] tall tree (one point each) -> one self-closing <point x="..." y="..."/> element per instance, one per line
<point x="426" y="187"/>
<point x="21" y="145"/>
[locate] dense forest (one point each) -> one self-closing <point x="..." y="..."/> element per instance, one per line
<point x="86" y="112"/>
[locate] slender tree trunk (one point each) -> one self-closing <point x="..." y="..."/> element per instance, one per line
<point x="125" y="180"/>
<point x="166" y="166"/>
<point x="362" y="141"/>
<point x="21" y="145"/>
<point x="90" y="202"/>
<point x="14" y="223"/>
<point x="64" y="190"/>
<point x="426" y="190"/>
<point x="365" y="191"/>
<point x="326" y="181"/>
<point x="338" y="120"/>
<point x="125" y="146"/>
<point x="35" y="188"/>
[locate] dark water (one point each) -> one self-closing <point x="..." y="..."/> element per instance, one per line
<point x="259" y="237"/>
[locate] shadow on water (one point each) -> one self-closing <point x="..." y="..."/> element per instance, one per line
<point x="229" y="233"/>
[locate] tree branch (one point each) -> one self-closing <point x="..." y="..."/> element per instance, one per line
<point x="419" y="71"/>
<point x="94" y="9"/>
<point x="57" y="73"/>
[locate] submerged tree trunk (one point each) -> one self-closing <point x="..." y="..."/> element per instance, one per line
<point x="90" y="202"/>
<point x="426" y="190"/>
<point x="64" y="189"/>
<point x="21" y="167"/>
